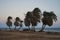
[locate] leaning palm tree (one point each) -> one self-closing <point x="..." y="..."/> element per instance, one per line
<point x="18" y="22"/>
<point x="9" y="22"/>
<point x="36" y="17"/>
<point x="27" y="19"/>
<point x="48" y="18"/>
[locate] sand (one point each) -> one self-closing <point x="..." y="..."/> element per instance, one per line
<point x="24" y="35"/>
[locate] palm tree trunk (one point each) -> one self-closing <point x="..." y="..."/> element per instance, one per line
<point x="29" y="27"/>
<point x="9" y="28"/>
<point x="33" y="28"/>
<point x="15" y="27"/>
<point x="20" y="26"/>
<point x="43" y="27"/>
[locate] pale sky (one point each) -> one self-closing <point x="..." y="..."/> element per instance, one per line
<point x="18" y="8"/>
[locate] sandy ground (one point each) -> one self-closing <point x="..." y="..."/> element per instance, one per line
<point x="24" y="35"/>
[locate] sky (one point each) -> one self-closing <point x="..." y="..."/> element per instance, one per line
<point x="18" y="8"/>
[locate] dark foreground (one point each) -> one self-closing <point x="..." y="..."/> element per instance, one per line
<point x="16" y="35"/>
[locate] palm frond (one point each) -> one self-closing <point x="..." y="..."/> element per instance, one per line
<point x="28" y="15"/>
<point x="53" y="16"/>
<point x="36" y="12"/>
<point x="9" y="18"/>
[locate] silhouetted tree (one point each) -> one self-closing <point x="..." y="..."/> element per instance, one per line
<point x="18" y="22"/>
<point x="9" y="22"/>
<point x="48" y="18"/>
<point x="32" y="18"/>
<point x="36" y="17"/>
<point x="27" y="19"/>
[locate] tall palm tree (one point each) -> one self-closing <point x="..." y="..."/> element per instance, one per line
<point x="32" y="18"/>
<point x="27" y="19"/>
<point x="18" y="22"/>
<point x="36" y="17"/>
<point x="48" y="19"/>
<point x="9" y="22"/>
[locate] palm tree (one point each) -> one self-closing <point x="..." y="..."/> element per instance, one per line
<point x="18" y="22"/>
<point x="9" y="22"/>
<point x="27" y="19"/>
<point x="48" y="19"/>
<point x="36" y="17"/>
<point x="32" y="18"/>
